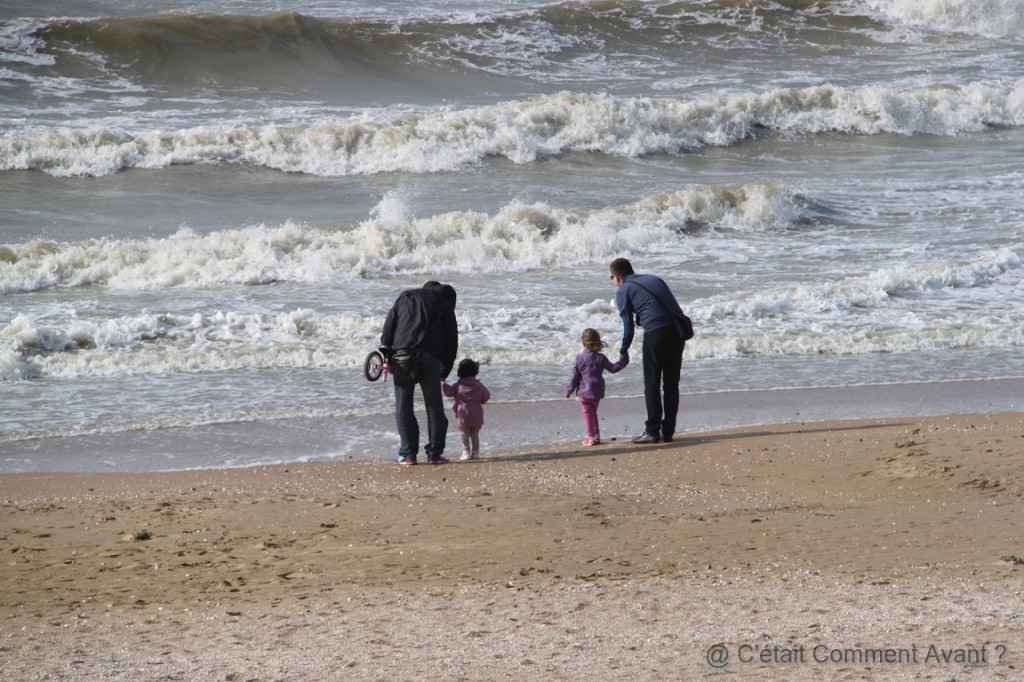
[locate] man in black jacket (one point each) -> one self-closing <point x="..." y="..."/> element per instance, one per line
<point x="422" y="323"/>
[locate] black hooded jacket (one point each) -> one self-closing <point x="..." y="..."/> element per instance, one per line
<point x="425" y="318"/>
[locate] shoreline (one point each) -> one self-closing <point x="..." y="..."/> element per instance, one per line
<point x="562" y="562"/>
<point x="551" y="422"/>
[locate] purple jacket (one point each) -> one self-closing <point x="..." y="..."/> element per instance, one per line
<point x="587" y="379"/>
<point x="470" y="395"/>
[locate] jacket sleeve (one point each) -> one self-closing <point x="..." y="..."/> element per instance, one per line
<point x="574" y="380"/>
<point x="447" y="388"/>
<point x="387" y="336"/>
<point x="615" y="367"/>
<point x="626" y="313"/>
<point x="450" y="348"/>
<point x="485" y="395"/>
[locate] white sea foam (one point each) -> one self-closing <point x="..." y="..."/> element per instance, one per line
<point x="990" y="18"/>
<point x="14" y="366"/>
<point x="73" y="346"/>
<point x="984" y="332"/>
<point x="895" y="308"/>
<point x="518" y="237"/>
<point x="853" y="315"/>
<point x="19" y="42"/>
<point x="873" y="290"/>
<point x="526" y="131"/>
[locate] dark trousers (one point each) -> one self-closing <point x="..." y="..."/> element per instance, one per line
<point x="663" y="361"/>
<point x="429" y="371"/>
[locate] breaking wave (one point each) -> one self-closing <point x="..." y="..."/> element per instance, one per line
<point x="526" y="131"/>
<point x="518" y="237"/>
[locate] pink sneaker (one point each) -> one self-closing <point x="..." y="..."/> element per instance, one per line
<point x="591" y="441"/>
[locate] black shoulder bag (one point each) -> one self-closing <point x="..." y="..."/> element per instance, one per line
<point x="404" y="363"/>
<point x="683" y="322"/>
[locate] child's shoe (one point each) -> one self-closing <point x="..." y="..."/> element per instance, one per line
<point x="466" y="455"/>
<point x="591" y="441"/>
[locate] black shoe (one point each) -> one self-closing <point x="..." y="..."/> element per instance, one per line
<point x="666" y="438"/>
<point x="647" y="438"/>
<point x="437" y="460"/>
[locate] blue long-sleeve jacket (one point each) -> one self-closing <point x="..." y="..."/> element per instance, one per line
<point x="634" y="302"/>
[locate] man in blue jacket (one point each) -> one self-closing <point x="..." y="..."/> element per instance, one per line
<point x="421" y="327"/>
<point x="649" y="301"/>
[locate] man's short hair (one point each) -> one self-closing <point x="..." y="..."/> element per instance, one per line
<point x="622" y="267"/>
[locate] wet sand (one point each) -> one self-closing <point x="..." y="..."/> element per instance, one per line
<point x="885" y="549"/>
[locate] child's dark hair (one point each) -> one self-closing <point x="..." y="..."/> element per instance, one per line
<point x="592" y="340"/>
<point x="468" y="368"/>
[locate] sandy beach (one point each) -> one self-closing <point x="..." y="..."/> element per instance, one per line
<point x="848" y="550"/>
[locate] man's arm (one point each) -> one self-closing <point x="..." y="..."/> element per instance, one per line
<point x="626" y="313"/>
<point x="387" y="335"/>
<point x="450" y="327"/>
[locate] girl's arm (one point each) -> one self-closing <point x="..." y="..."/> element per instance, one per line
<point x="614" y="367"/>
<point x="574" y="380"/>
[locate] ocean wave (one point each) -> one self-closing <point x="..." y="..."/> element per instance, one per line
<point x="165" y="343"/>
<point x="225" y="50"/>
<point x="874" y="290"/>
<point x="504" y="337"/>
<point x="183" y="56"/>
<point x="526" y="131"/>
<point x="816" y="341"/>
<point x="180" y="70"/>
<point x="186" y="48"/>
<point x="517" y="238"/>
<point x="898" y="309"/>
<point x="892" y="310"/>
<point x="988" y="18"/>
<point x="20" y="43"/>
<point x="559" y="39"/>
<point x="15" y="367"/>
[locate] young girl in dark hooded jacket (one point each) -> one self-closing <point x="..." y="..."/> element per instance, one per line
<point x="470" y="396"/>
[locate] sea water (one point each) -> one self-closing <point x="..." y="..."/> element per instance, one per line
<point x="207" y="209"/>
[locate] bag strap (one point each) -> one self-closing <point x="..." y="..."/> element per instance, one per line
<point x="655" y="297"/>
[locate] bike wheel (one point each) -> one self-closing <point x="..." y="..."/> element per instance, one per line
<point x="374" y="366"/>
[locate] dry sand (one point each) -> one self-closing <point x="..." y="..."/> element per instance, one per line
<point x="849" y="550"/>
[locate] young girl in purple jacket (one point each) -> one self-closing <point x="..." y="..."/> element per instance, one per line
<point x="587" y="381"/>
<point x="470" y="395"/>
